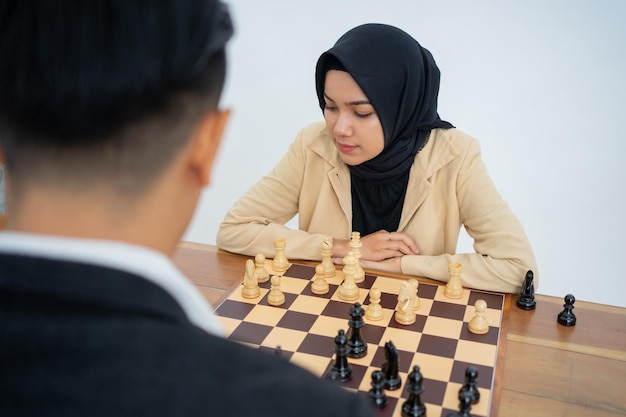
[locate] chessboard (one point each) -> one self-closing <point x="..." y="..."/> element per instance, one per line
<point x="303" y="330"/>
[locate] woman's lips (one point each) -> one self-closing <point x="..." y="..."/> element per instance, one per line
<point x="343" y="148"/>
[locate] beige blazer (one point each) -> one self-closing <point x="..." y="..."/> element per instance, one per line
<point x="448" y="187"/>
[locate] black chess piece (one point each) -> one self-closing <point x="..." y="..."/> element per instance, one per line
<point x="341" y="370"/>
<point x="471" y="373"/>
<point x="526" y="298"/>
<point x="413" y="406"/>
<point x="390" y="367"/>
<point x="465" y="405"/>
<point x="377" y="394"/>
<point x="358" y="348"/>
<point x="567" y="317"/>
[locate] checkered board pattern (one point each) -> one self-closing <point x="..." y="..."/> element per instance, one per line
<point x="439" y="341"/>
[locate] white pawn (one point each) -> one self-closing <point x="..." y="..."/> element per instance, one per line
<point x="260" y="271"/>
<point x="417" y="303"/>
<point x="348" y="291"/>
<point x="276" y="296"/>
<point x="453" y="287"/>
<point x="374" y="310"/>
<point x="327" y="257"/>
<point x="250" y="287"/>
<point x="478" y="324"/>
<point x="280" y="262"/>
<point x="355" y="246"/>
<point x="404" y="309"/>
<point x="319" y="285"/>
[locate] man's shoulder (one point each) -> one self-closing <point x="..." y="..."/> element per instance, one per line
<point x="34" y="269"/>
<point x="67" y="284"/>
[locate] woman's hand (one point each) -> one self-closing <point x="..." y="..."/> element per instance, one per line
<point x="378" y="246"/>
<point x="388" y="265"/>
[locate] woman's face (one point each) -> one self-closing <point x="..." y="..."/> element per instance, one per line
<point x="351" y="119"/>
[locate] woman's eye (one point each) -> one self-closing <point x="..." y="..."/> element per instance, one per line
<point x="330" y="108"/>
<point x="363" y="115"/>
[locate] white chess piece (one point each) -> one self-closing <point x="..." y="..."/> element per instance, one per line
<point x="280" y="262"/>
<point x="374" y="311"/>
<point x="453" y="287"/>
<point x="250" y="287"/>
<point x="319" y="285"/>
<point x="348" y="290"/>
<point x="355" y="246"/>
<point x="276" y="296"/>
<point x="478" y="324"/>
<point x="262" y="275"/>
<point x="404" y="309"/>
<point x="417" y="303"/>
<point x="327" y="260"/>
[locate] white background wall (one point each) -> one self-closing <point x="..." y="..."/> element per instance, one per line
<point x="539" y="83"/>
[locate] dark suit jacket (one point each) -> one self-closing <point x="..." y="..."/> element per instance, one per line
<point x="82" y="340"/>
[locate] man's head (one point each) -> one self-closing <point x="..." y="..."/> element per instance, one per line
<point x="105" y="94"/>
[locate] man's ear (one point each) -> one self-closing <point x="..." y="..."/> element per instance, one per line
<point x="206" y="142"/>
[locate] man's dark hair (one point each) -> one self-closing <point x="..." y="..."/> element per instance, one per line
<point x="105" y="88"/>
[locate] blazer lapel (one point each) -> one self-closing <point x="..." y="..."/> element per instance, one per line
<point x="339" y="178"/>
<point x="437" y="153"/>
<point x="339" y="175"/>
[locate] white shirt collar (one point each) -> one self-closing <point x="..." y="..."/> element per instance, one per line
<point x="138" y="260"/>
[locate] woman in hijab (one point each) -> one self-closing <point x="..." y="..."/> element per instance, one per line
<point x="383" y="163"/>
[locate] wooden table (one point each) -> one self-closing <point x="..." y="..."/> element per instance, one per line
<point x="545" y="369"/>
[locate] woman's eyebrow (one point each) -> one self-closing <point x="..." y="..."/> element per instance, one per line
<point x="328" y="98"/>
<point x="350" y="103"/>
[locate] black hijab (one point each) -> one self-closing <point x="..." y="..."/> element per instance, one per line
<point x="401" y="80"/>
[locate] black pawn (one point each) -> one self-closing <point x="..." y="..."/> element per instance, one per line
<point x="341" y="370"/>
<point x="377" y="394"/>
<point x="413" y="406"/>
<point x="465" y="405"/>
<point x="358" y="348"/>
<point x="567" y="317"/>
<point x="526" y="298"/>
<point x="469" y="387"/>
<point x="390" y="367"/>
